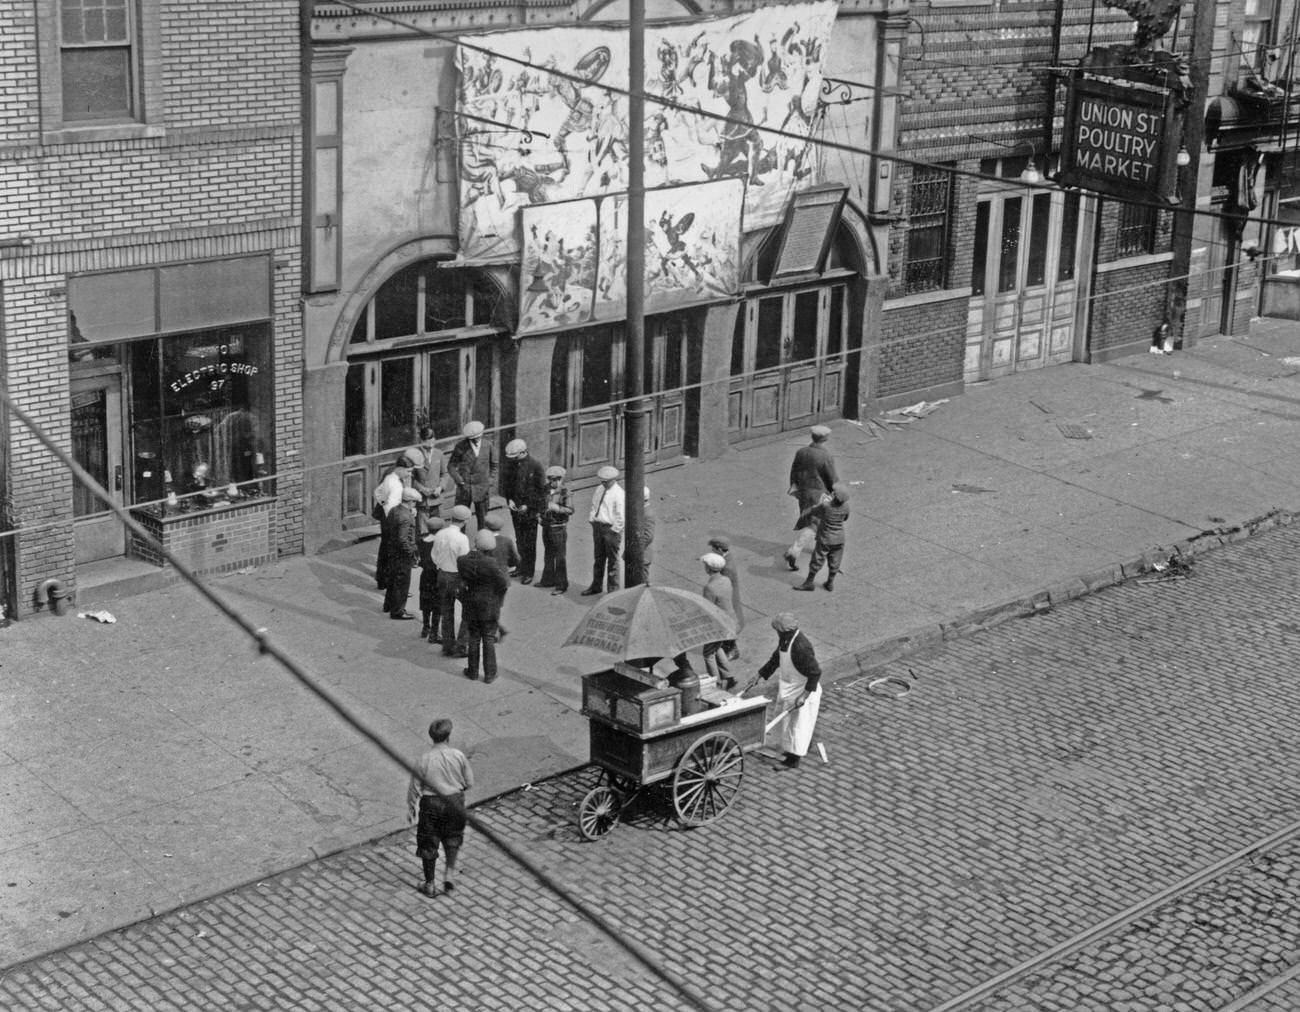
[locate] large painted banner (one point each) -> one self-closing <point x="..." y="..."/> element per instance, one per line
<point x="574" y="258"/>
<point x="553" y="138"/>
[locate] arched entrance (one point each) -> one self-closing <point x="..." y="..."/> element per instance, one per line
<point x="421" y="351"/>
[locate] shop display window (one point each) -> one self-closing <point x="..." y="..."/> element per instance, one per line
<point x="202" y="417"/>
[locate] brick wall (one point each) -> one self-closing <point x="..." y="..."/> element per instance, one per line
<point x="217" y="542"/>
<point x="1128" y="304"/>
<point x="36" y="374"/>
<point x="921" y="347"/>
<point x="216" y="174"/>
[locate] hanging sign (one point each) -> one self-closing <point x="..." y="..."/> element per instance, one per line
<point x="1121" y="138"/>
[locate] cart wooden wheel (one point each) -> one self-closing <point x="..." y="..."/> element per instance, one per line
<point x="598" y="812"/>
<point x="707" y="779"/>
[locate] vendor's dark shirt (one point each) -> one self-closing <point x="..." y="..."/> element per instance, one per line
<point x="801" y="656"/>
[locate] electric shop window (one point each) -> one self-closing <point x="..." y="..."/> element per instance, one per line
<point x="202" y="417"/>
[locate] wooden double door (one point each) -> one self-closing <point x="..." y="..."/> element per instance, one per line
<point x="1024" y="282"/>
<point x="588" y="386"/>
<point x="788" y="360"/>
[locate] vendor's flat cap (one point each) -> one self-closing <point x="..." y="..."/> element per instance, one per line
<point x="411" y="495"/>
<point x="472" y="430"/>
<point x="713" y="561"/>
<point x="493" y="522"/>
<point x="485" y="541"/>
<point x="516" y="448"/>
<point x="555" y="471"/>
<point x="460" y="513"/>
<point x="840" y="491"/>
<point x="820" y="432"/>
<point x="607" y="473"/>
<point x="721" y="542"/>
<point x="784" y="622"/>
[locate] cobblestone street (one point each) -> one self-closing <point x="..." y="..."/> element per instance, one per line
<point x="1038" y="779"/>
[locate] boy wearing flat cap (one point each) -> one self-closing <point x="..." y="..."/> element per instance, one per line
<point x="473" y="467"/>
<point x="555" y="532"/>
<point x="829" y="549"/>
<point x="717" y="591"/>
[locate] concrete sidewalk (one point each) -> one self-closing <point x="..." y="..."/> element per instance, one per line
<point x="157" y="760"/>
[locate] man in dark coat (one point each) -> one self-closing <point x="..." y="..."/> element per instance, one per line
<point x="524" y="486"/>
<point x="473" y="467"/>
<point x="812" y="474"/>
<point x="402" y="554"/>
<point x="485" y="583"/>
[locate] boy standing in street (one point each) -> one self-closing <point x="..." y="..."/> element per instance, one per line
<point x="555" y="532"/>
<point x="721" y="544"/>
<point x="829" y="548"/>
<point x="436" y="796"/>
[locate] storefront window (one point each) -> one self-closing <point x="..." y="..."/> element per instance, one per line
<point x="202" y="414"/>
<point x="354" y="411"/>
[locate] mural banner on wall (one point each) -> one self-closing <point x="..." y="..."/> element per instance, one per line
<point x="574" y="257"/>
<point x="557" y="286"/>
<point x="554" y="138"/>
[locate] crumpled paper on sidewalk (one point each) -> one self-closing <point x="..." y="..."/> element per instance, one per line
<point x="106" y="617"/>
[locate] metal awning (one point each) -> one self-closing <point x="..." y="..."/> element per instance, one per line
<point x="1236" y="122"/>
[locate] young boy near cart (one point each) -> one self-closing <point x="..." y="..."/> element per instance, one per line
<point x="555" y="532"/>
<point x="830" y="514"/>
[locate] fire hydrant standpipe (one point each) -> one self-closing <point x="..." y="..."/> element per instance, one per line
<point x="55" y="594"/>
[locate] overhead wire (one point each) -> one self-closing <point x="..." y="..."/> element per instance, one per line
<point x="261" y="638"/>
<point x="462" y="40"/>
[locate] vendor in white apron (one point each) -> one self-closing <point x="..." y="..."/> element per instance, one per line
<point x="798" y="690"/>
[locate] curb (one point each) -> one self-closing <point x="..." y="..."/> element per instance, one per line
<point x="934" y="635"/>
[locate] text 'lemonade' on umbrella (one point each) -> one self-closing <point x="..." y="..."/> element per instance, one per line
<point x="651" y="622"/>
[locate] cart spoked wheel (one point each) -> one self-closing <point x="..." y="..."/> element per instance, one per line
<point x="598" y="812"/>
<point x="707" y="779"/>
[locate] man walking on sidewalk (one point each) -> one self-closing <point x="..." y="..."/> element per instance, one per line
<point x="812" y="473"/>
<point x="436" y="796"/>
<point x="606" y="519"/>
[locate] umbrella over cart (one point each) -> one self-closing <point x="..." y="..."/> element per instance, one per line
<point x="651" y="622"/>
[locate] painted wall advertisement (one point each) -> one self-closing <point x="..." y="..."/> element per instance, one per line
<point x="1120" y="138"/>
<point x="542" y="118"/>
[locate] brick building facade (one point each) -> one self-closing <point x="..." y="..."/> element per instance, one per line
<point x="149" y="275"/>
<point x="988" y="276"/>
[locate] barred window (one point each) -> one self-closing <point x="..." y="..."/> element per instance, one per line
<point x="1136" y="233"/>
<point x="925" y="268"/>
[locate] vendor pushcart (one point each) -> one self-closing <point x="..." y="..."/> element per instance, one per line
<point x="651" y="726"/>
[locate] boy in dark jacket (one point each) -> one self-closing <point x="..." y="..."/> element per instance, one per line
<point x="555" y="532"/>
<point x="829" y="549"/>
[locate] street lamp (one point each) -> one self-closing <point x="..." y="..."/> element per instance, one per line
<point x="1030" y="174"/>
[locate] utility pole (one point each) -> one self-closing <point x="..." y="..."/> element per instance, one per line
<point x="634" y="347"/>
<point x="1180" y="265"/>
